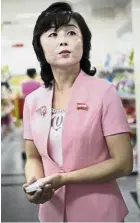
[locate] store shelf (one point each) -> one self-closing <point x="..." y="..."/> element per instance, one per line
<point x="7" y="111"/>
<point x="133" y="126"/>
<point x="127" y="97"/>
<point x="116" y="69"/>
<point x="135" y="170"/>
<point x="123" y="69"/>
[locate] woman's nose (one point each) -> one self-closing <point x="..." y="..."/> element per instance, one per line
<point x="63" y="44"/>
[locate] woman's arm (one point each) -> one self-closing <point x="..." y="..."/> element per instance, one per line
<point x="120" y="164"/>
<point x="34" y="171"/>
<point x="34" y="166"/>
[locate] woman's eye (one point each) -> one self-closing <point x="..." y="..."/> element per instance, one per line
<point x="53" y="35"/>
<point x="71" y="33"/>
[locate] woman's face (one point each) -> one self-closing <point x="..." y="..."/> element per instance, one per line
<point x="63" y="47"/>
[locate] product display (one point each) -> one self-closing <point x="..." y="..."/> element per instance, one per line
<point x="7" y="120"/>
<point x="123" y="80"/>
<point x="125" y="84"/>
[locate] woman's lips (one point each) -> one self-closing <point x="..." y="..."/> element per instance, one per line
<point x="65" y="52"/>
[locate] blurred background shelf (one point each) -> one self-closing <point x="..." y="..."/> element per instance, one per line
<point x="115" y="70"/>
<point x="7" y="111"/>
<point x="133" y="126"/>
<point x="127" y="97"/>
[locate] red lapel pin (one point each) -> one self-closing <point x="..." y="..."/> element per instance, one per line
<point x="82" y="106"/>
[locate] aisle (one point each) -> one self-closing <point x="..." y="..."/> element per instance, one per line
<point x="15" y="207"/>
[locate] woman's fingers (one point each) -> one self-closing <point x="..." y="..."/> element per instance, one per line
<point x="47" y="194"/>
<point x="36" y="197"/>
<point x="43" y="181"/>
<point x="47" y="188"/>
<point x="24" y="186"/>
<point x="33" y="179"/>
<point x="42" y="195"/>
<point x="46" y="197"/>
<point x="46" y="191"/>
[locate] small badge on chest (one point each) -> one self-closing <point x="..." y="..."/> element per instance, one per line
<point x="42" y="111"/>
<point x="82" y="106"/>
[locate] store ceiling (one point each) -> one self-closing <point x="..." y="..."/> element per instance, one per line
<point x="18" y="16"/>
<point x="11" y="7"/>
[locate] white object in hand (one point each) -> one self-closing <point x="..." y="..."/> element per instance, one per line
<point x="32" y="187"/>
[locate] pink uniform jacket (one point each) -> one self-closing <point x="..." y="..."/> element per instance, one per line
<point x="83" y="145"/>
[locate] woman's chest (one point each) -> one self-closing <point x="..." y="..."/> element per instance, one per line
<point x="82" y="138"/>
<point x="60" y="100"/>
<point x="82" y="123"/>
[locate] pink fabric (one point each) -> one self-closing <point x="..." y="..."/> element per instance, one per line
<point x="83" y="145"/>
<point x="29" y="86"/>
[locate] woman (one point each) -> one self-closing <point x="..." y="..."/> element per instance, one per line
<point x="31" y="84"/>
<point x="75" y="129"/>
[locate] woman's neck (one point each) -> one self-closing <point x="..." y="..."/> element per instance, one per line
<point x="65" y="77"/>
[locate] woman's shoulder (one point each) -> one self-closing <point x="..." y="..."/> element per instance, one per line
<point x="36" y="94"/>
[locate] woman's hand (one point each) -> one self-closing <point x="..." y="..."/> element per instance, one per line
<point x="41" y="195"/>
<point x="56" y="181"/>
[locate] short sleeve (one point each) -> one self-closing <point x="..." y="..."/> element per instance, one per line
<point x="27" y="134"/>
<point x="113" y="114"/>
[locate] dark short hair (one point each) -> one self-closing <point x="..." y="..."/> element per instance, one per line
<point x="60" y="14"/>
<point x="31" y="72"/>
